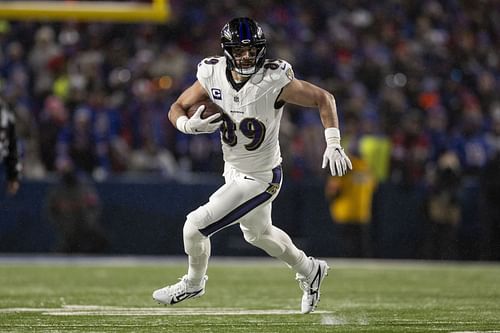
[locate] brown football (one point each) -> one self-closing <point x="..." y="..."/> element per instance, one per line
<point x="210" y="109"/>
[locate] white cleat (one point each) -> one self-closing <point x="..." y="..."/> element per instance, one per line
<point x="311" y="285"/>
<point x="180" y="291"/>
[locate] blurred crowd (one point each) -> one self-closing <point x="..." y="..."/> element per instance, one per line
<point x="418" y="78"/>
<point x="416" y="85"/>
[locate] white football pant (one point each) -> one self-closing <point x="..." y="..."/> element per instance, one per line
<point x="245" y="199"/>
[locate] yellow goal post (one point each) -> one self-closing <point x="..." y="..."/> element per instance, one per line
<point x="104" y="11"/>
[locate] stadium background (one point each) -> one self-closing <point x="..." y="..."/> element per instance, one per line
<point x="421" y="78"/>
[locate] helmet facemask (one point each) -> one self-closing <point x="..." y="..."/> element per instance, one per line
<point x="246" y="61"/>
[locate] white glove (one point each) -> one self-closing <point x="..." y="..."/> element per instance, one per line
<point x="334" y="153"/>
<point x="196" y="125"/>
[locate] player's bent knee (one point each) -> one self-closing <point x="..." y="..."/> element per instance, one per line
<point x="194" y="240"/>
<point x="250" y="237"/>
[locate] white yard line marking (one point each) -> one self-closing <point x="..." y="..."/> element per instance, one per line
<point x="96" y="310"/>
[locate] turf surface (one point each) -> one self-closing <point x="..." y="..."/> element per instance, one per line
<point x="248" y="296"/>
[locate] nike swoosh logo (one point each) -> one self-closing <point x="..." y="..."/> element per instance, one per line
<point x="182" y="297"/>
<point x="316" y="279"/>
<point x="245" y="177"/>
<point x="314" y="292"/>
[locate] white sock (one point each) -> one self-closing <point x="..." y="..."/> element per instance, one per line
<point x="275" y="240"/>
<point x="197" y="265"/>
<point x="304" y="265"/>
<point x="197" y="269"/>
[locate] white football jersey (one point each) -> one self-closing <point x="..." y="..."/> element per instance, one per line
<point x="252" y="115"/>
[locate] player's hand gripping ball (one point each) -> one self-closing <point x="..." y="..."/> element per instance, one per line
<point x="210" y="109"/>
<point x="202" y="117"/>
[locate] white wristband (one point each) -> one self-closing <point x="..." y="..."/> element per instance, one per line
<point x="181" y="124"/>
<point x="332" y="136"/>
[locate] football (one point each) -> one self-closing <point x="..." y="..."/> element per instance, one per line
<point x="210" y="109"/>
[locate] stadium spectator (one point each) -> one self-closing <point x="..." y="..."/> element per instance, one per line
<point x="443" y="208"/>
<point x="44" y="51"/>
<point x="489" y="193"/>
<point x="410" y="151"/>
<point x="375" y="147"/>
<point x="53" y="118"/>
<point x="73" y="207"/>
<point x="474" y="152"/>
<point x="350" y="202"/>
<point x="88" y="141"/>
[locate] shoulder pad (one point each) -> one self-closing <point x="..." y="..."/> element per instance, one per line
<point x="206" y="66"/>
<point x="279" y="69"/>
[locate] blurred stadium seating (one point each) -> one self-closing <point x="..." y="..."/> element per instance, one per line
<point x="421" y="77"/>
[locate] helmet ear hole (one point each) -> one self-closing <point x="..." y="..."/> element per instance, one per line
<point x="243" y="32"/>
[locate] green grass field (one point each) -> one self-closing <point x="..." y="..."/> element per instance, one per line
<point x="248" y="296"/>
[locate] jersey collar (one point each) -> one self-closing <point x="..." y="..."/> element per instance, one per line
<point x="236" y="86"/>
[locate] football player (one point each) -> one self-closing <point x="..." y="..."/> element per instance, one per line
<point x="8" y="148"/>
<point x="252" y="91"/>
